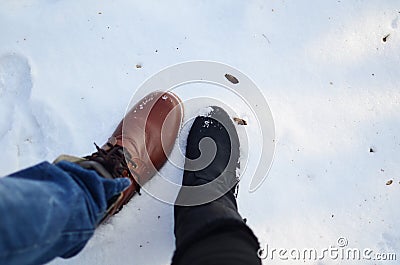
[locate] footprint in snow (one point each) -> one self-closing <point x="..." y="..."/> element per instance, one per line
<point x="22" y="121"/>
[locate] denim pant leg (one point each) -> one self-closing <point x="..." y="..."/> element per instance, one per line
<point x="50" y="211"/>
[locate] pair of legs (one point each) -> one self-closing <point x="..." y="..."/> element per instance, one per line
<point x="52" y="210"/>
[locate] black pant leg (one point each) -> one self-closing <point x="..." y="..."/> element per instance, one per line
<point x="227" y="243"/>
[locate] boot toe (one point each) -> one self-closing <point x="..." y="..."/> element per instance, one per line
<point x="218" y="127"/>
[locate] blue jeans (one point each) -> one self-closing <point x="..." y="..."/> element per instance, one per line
<point x="51" y="210"/>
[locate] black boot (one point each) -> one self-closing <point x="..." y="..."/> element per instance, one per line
<point x="194" y="223"/>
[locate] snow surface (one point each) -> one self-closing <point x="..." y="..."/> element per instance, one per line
<point x="68" y="68"/>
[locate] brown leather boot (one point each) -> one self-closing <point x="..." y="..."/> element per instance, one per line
<point x="139" y="145"/>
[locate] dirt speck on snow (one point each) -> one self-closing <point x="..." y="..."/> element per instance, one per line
<point x="240" y="121"/>
<point x="384" y="39"/>
<point x="232" y="79"/>
<point x="371" y="150"/>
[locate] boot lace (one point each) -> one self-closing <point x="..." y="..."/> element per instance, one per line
<point x="116" y="161"/>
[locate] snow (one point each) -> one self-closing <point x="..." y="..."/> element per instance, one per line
<point x="68" y="68"/>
